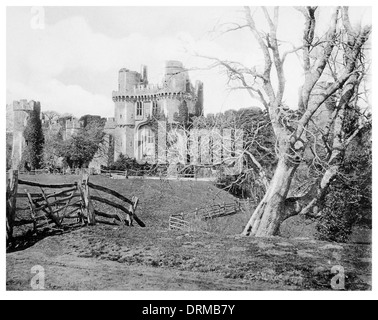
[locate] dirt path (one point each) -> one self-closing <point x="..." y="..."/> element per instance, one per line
<point x="72" y="273"/>
<point x="106" y="258"/>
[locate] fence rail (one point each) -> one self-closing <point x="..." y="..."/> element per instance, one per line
<point x="55" y="210"/>
<point x="177" y="222"/>
<point x="184" y="221"/>
<point x="118" y="174"/>
<point x="58" y="171"/>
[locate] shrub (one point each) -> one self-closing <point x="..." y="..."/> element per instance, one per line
<point x="33" y="134"/>
<point x="349" y="200"/>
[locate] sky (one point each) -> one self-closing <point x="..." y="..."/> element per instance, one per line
<point x="68" y="58"/>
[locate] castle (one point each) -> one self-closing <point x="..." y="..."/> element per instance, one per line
<point x="17" y="119"/>
<point x="136" y="102"/>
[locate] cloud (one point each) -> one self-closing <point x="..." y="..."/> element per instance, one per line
<point x="71" y="48"/>
<point x="63" y="98"/>
<point x="69" y="67"/>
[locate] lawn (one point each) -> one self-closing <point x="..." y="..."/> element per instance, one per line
<point x="155" y="258"/>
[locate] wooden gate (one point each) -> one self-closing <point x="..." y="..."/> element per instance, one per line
<point x="58" y="206"/>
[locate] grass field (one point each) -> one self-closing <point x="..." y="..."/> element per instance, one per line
<point x="155" y="258"/>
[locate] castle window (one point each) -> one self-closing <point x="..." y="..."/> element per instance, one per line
<point x="139" y="109"/>
<point x="150" y="136"/>
<point x="154" y="107"/>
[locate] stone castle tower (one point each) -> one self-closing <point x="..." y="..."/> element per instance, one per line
<point x="137" y="102"/>
<point x="21" y="113"/>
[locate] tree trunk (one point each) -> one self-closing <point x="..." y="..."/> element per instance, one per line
<point x="270" y="213"/>
<point x="313" y="207"/>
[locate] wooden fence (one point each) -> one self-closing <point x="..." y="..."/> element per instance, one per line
<point x="115" y="174"/>
<point x="184" y="221"/>
<point x="177" y="222"/>
<point x="73" y="203"/>
<point x="58" y="171"/>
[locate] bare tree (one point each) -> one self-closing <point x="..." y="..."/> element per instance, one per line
<point x="234" y="145"/>
<point x="293" y="134"/>
<point x="50" y="116"/>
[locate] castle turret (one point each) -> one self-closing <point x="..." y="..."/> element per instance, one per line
<point x="22" y="110"/>
<point x="137" y="102"/>
<point x="127" y="79"/>
<point x="176" y="77"/>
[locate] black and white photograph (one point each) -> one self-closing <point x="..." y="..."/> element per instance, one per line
<point x="188" y="149"/>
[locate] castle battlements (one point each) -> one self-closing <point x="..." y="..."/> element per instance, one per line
<point x="110" y="123"/>
<point x="24" y="105"/>
<point x="154" y="96"/>
<point x="137" y="102"/>
<point x="147" y="88"/>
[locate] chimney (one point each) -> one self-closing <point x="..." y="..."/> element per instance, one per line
<point x="144" y="74"/>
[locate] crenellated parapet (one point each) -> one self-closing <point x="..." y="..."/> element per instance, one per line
<point x="129" y="97"/>
<point x="136" y="101"/>
<point x="110" y="124"/>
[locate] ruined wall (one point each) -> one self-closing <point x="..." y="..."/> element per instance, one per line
<point x="21" y="113"/>
<point x="171" y="107"/>
<point x="72" y="127"/>
<point x="119" y="142"/>
<point x="130" y="142"/>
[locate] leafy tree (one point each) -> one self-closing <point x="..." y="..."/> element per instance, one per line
<point x="349" y="200"/>
<point x="123" y="163"/>
<point x="33" y="134"/>
<point x="80" y="149"/>
<point x="52" y="146"/>
<point x="50" y="116"/>
<point x="89" y="119"/>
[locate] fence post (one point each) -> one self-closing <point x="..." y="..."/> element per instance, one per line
<point x="12" y="187"/>
<point x="32" y="211"/>
<point x="89" y="209"/>
<point x="52" y="216"/>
